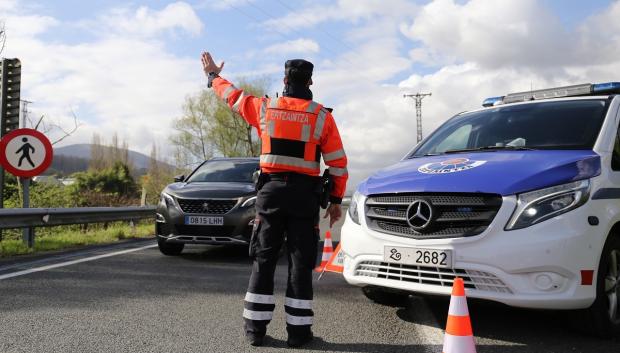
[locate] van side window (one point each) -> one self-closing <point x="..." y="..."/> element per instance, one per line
<point x="615" y="157"/>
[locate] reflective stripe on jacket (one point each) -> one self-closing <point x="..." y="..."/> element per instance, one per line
<point x="294" y="134"/>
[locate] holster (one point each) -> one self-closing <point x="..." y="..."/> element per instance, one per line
<point x="326" y="185"/>
<point x="260" y="181"/>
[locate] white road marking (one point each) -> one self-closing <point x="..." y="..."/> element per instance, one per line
<point x="73" y="262"/>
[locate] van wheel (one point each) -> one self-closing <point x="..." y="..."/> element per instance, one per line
<point x="385" y="297"/>
<point x="170" y="249"/>
<point x="603" y="317"/>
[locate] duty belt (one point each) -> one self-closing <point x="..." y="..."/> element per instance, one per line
<point x="290" y="176"/>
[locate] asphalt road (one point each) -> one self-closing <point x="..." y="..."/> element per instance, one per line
<point x="142" y="301"/>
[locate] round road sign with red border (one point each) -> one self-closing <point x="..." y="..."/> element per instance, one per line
<point x="25" y="153"/>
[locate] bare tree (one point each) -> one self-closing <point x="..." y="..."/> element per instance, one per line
<point x="52" y="128"/>
<point x="209" y="127"/>
<point x="97" y="153"/>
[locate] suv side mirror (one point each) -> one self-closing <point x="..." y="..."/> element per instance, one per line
<point x="255" y="176"/>
<point x="179" y="178"/>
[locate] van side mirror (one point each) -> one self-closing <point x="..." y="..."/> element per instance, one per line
<point x="179" y="178"/>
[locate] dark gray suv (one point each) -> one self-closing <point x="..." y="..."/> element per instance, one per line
<point x="213" y="205"/>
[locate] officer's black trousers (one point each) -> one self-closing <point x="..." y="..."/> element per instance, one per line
<point x="286" y="210"/>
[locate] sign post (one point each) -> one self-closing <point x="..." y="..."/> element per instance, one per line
<point x="27" y="233"/>
<point x="25" y="153"/>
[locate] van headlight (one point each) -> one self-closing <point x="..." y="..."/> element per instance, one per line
<point x="353" y="211"/>
<point x="538" y="206"/>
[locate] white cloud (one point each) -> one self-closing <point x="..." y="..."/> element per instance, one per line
<point x="344" y="10"/>
<point x="301" y="45"/>
<point x="127" y="81"/>
<point x="8" y="5"/>
<point x="18" y="26"/>
<point x="147" y="22"/>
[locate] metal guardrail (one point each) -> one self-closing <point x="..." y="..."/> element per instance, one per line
<point x="45" y="217"/>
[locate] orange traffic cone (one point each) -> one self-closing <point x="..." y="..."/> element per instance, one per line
<point x="459" y="337"/>
<point x="328" y="250"/>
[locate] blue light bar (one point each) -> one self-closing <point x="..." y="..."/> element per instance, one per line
<point x="491" y="101"/>
<point x="608" y="87"/>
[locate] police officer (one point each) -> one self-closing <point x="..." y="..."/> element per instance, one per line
<point x="295" y="132"/>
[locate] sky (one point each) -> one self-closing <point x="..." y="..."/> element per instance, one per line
<point x="126" y="67"/>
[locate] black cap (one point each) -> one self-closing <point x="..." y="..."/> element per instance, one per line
<point x="298" y="70"/>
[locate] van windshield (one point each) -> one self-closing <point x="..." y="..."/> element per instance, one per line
<point x="224" y="171"/>
<point x="546" y="125"/>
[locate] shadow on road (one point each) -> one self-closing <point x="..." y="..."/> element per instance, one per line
<point x="318" y="344"/>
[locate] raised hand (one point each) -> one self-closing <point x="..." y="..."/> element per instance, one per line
<point x="208" y="65"/>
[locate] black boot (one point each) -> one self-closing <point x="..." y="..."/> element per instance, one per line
<point x="298" y="341"/>
<point x="254" y="340"/>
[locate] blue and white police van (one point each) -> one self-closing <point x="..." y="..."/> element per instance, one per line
<point x="521" y="199"/>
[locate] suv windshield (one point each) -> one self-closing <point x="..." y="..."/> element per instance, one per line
<point x="224" y="171"/>
<point x="546" y="125"/>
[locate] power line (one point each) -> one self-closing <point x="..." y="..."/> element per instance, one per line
<point x="319" y="28"/>
<point x="286" y="36"/>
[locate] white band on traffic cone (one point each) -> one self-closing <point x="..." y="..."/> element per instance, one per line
<point x="458" y="306"/>
<point x="328" y="242"/>
<point x="458" y="344"/>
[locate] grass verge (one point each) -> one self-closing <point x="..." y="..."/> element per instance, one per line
<point x="71" y="237"/>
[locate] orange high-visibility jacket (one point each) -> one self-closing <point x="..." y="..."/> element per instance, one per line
<point x="294" y="134"/>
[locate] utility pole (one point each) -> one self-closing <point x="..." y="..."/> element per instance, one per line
<point x="418" y="110"/>
<point x="24" y="119"/>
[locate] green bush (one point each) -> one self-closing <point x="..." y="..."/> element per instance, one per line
<point x="113" y="186"/>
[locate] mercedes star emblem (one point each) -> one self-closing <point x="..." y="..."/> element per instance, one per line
<point x="419" y="214"/>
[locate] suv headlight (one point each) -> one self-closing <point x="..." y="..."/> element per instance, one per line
<point x="249" y="202"/>
<point x="538" y="206"/>
<point x="166" y="199"/>
<point x="353" y="211"/>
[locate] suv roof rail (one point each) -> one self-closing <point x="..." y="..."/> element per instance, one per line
<point x="586" y="89"/>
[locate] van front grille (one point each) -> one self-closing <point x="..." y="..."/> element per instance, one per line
<point x="454" y="215"/>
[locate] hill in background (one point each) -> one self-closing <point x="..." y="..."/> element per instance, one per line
<point x="76" y="158"/>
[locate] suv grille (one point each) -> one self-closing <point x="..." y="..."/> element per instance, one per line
<point x="213" y="206"/>
<point x="443" y="277"/>
<point x="454" y="215"/>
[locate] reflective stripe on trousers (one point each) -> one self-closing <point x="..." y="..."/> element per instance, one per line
<point x="298" y="311"/>
<point x="259" y="307"/>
